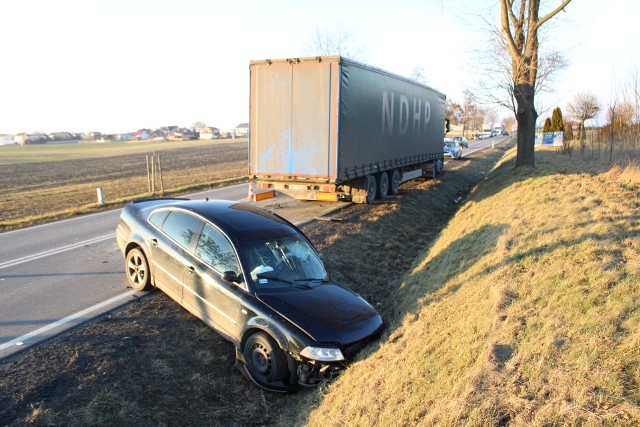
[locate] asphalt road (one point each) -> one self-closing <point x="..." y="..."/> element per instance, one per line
<point x="58" y="275"/>
<point x="477" y="145"/>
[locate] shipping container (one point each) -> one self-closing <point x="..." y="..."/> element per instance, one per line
<point x="328" y="128"/>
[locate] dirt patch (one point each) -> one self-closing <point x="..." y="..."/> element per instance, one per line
<point x="154" y="363"/>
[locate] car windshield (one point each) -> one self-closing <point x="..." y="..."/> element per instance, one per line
<point x="287" y="261"/>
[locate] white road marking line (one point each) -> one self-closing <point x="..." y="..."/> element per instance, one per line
<point x="67" y="319"/>
<point x="55" y="251"/>
<point x="54" y="223"/>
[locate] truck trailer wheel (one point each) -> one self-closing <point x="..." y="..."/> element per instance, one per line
<point x="383" y="185"/>
<point x="372" y="187"/>
<point x="394" y="184"/>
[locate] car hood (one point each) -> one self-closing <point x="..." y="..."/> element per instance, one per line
<point x="328" y="313"/>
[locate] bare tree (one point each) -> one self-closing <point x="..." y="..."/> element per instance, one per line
<point x="337" y="41"/>
<point x="454" y="112"/>
<point x="631" y="93"/>
<point x="621" y="126"/>
<point x="508" y="123"/>
<point x="417" y="74"/>
<point x="612" y="109"/>
<point x="197" y="126"/>
<point x="520" y="24"/>
<point x="491" y="117"/>
<point x="496" y="83"/>
<point x="471" y="112"/>
<point x="584" y="106"/>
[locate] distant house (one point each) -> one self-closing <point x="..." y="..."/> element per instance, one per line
<point x="209" y="133"/>
<point x="123" y="137"/>
<point x="20" y="138"/>
<point x="166" y="130"/>
<point x="94" y="136"/>
<point x="227" y="133"/>
<point x="7" y="140"/>
<point x="62" y="136"/>
<point x="37" y="138"/>
<point x="142" y="135"/>
<point x="182" y="134"/>
<point x="242" y="130"/>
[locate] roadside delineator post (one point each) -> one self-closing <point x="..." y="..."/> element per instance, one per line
<point x="100" y="196"/>
<point x="251" y="195"/>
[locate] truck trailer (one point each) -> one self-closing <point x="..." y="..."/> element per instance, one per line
<point x="329" y="128"/>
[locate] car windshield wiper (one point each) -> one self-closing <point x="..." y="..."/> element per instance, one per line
<point x="288" y="282"/>
<point x="312" y="279"/>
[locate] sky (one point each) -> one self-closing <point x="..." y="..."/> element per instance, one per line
<point x="116" y="66"/>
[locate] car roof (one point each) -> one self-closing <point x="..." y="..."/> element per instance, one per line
<point x="242" y="221"/>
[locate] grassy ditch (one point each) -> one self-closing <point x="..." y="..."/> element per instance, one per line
<point x="524" y="311"/>
<point x="49" y="182"/>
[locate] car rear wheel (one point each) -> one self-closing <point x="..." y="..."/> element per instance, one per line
<point x="137" y="269"/>
<point x="264" y="359"/>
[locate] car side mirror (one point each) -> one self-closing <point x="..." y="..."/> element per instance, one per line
<point x="230" y="276"/>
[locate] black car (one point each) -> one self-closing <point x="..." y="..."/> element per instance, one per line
<point x="253" y="277"/>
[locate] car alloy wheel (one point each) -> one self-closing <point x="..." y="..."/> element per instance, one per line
<point x="137" y="269"/>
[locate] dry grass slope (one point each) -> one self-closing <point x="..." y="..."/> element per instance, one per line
<point x="524" y="311"/>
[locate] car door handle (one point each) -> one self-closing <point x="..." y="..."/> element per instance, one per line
<point x="191" y="269"/>
<point x="154" y="242"/>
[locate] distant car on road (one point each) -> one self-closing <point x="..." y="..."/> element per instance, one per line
<point x="452" y="148"/>
<point x="462" y="141"/>
<point x="253" y="277"/>
<point x="505" y="133"/>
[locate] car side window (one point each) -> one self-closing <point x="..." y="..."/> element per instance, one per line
<point x="182" y="228"/>
<point x="157" y="218"/>
<point x="214" y="249"/>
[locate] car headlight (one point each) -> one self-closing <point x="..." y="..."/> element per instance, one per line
<point x="323" y="354"/>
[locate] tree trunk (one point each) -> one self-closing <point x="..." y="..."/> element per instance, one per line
<point x="526" y="118"/>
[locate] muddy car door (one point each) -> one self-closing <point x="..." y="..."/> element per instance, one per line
<point x="218" y="301"/>
<point x="170" y="251"/>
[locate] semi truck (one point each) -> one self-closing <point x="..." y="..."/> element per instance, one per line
<point x="329" y="128"/>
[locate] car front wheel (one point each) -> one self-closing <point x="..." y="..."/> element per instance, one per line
<point x="264" y="359"/>
<point x="137" y="269"/>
